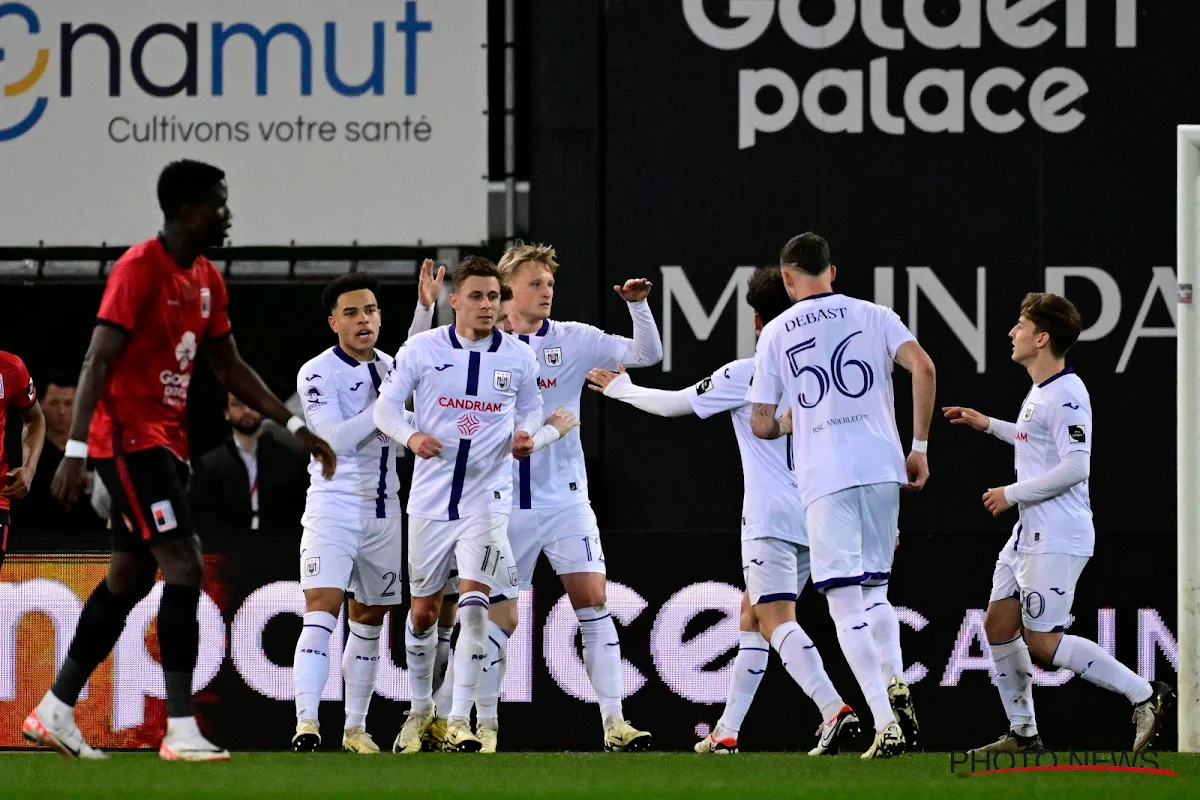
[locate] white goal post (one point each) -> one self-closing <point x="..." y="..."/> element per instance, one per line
<point x="1188" y="434"/>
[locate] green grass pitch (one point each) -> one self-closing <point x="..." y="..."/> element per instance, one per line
<point x="567" y="775"/>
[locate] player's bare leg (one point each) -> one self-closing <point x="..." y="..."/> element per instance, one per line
<point x="360" y="668"/>
<point x="502" y="621"/>
<point x="777" y="620"/>
<point x="420" y="647"/>
<point x="1014" y="678"/>
<point x="1092" y="662"/>
<point x="52" y="724"/>
<point x="310" y="669"/>
<point x="602" y="658"/>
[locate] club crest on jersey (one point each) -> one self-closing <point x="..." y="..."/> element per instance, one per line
<point x="1027" y="412"/>
<point x="1" y="387"/>
<point x="205" y="302"/>
<point x="501" y="380"/>
<point x="164" y="516"/>
<point x="552" y="356"/>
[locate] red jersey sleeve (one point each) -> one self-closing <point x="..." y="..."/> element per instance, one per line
<point x="125" y="293"/>
<point x="24" y="393"/>
<point x="218" y="321"/>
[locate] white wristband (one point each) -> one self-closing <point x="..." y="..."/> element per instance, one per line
<point x="294" y="424"/>
<point x="75" y="449"/>
<point x="920" y="445"/>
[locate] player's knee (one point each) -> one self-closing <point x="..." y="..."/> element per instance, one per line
<point x="587" y="590"/>
<point x="748" y="620"/>
<point x="504" y="614"/>
<point x="1042" y="646"/>
<point x="367" y="615"/>
<point x="423" y="614"/>
<point x="1002" y="624"/>
<point x="181" y="561"/>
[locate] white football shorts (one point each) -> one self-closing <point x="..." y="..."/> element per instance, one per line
<point x="774" y="569"/>
<point x="476" y="546"/>
<point x="852" y="535"/>
<point x="363" y="556"/>
<point x="1043" y="582"/>
<point x="568" y="536"/>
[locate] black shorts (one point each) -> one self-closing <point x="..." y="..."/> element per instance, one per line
<point x="149" y="498"/>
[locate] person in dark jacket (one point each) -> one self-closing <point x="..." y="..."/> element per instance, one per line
<point x="250" y="482"/>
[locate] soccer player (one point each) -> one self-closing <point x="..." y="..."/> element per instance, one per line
<point x="774" y="542"/>
<point x="476" y="404"/>
<point x="352" y="538"/>
<point x="830" y="358"/>
<point x="163" y="300"/>
<point x="551" y="511"/>
<point x="17" y="390"/>
<point x="1034" y="581"/>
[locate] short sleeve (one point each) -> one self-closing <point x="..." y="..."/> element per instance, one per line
<point x="895" y="333"/>
<point x="129" y="285"/>
<point x="724" y="390"/>
<point x="1071" y="422"/>
<point x="218" y="320"/>
<point x="766" y="386"/>
<point x="27" y="396"/>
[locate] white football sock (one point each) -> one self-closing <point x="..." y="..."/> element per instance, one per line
<point x="443" y="696"/>
<point x="849" y="615"/>
<point x="1014" y="679"/>
<point x="470" y="653"/>
<point x="803" y="662"/>
<point x="748" y="668"/>
<point x="310" y="668"/>
<point x="602" y="658"/>
<point x="487" y="701"/>
<point x="1092" y="662"/>
<point x="420" y="648"/>
<point x="885" y="630"/>
<point x="360" y="667"/>
<point x="442" y="659"/>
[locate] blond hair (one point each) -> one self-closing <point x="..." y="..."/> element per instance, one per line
<point x="519" y="253"/>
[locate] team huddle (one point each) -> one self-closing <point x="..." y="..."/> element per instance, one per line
<point x="499" y="479"/>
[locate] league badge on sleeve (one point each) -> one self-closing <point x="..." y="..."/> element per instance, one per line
<point x="1077" y="434"/>
<point x="705" y="385"/>
<point x="501" y="380"/>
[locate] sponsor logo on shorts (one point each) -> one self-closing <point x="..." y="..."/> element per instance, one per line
<point x="1035" y="605"/>
<point x="164" y="516"/>
<point x="312" y="566"/>
<point x="553" y="356"/>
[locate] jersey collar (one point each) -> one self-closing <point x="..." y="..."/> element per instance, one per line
<point x="816" y="296"/>
<point x="347" y="358"/>
<point x="542" y="331"/>
<point x="1056" y="376"/>
<point x="497" y="339"/>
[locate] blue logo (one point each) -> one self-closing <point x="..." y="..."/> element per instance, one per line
<point x="354" y="388"/>
<point x="209" y="53"/>
<point x="443" y="367"/>
<point x="1072" y="406"/>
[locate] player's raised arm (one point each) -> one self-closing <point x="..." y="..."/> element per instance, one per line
<point x="660" y="402"/>
<point x="240" y="378"/>
<point x="958" y="415"/>
<point x="390" y="415"/>
<point x="108" y="340"/>
<point x="429" y="289"/>
<point x="645" y="349"/>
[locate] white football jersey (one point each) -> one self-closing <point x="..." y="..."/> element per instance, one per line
<point x="771" y="505"/>
<point x="829" y="358"/>
<point x="1056" y="419"/>
<point x="470" y="396"/>
<point x="556" y="476"/>
<point x="335" y="387"/>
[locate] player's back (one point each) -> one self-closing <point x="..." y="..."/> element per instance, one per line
<point x="466" y="398"/>
<point x="366" y="483"/>
<point x="831" y="357"/>
<point x="167" y="311"/>
<point x="771" y="501"/>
